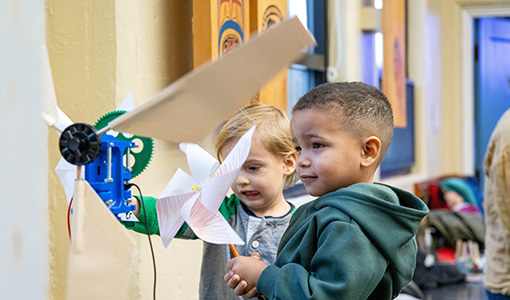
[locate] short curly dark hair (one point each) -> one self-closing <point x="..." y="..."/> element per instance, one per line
<point x="362" y="109"/>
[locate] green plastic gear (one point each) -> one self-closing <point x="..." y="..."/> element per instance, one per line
<point x="142" y="157"/>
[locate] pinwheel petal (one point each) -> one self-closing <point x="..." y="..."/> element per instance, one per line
<point x="181" y="183"/>
<point x="214" y="189"/>
<point x="237" y="156"/>
<point x="211" y="226"/>
<point x="200" y="162"/>
<point x="169" y="215"/>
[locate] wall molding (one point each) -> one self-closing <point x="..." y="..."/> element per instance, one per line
<point x="468" y="13"/>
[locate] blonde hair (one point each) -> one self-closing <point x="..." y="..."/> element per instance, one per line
<point x="273" y="126"/>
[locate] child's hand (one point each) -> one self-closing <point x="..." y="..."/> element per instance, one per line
<point x="135" y="201"/>
<point x="245" y="272"/>
<point x="239" y="286"/>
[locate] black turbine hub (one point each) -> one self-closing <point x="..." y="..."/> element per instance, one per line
<point x="79" y="144"/>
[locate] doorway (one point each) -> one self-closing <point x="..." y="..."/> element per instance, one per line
<point x="491" y="81"/>
<point x="468" y="15"/>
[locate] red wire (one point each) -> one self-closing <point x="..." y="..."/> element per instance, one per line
<point x="69" y="217"/>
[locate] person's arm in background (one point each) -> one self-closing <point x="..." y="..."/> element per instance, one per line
<point x="503" y="183"/>
<point x="497" y="168"/>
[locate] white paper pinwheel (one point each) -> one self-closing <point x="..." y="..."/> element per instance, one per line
<point x="196" y="200"/>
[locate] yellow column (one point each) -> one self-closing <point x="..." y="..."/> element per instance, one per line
<point x="218" y="26"/>
<point x="263" y="14"/>
<point x="394" y="62"/>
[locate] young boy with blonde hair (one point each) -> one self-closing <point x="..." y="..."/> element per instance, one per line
<point x="357" y="239"/>
<point x="257" y="210"/>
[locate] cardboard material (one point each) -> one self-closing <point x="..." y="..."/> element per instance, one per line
<point x="101" y="252"/>
<point x="198" y="102"/>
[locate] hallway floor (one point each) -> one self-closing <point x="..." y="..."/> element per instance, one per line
<point x="462" y="291"/>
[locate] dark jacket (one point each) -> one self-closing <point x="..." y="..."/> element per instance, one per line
<point x="355" y="243"/>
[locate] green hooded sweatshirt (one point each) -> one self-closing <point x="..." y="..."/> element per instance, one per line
<point x="355" y="243"/>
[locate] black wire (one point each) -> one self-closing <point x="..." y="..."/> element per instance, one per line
<point x="149" y="237"/>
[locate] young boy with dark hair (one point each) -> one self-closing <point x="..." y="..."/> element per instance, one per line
<point x="357" y="239"/>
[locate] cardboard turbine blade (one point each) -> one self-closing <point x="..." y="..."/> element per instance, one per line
<point x="100" y="256"/>
<point x="49" y="109"/>
<point x="198" y="102"/>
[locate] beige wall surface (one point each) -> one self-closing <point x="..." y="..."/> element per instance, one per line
<point x="100" y="51"/>
<point x="439" y="82"/>
<point x="444" y="127"/>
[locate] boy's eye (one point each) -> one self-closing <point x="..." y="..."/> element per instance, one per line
<point x="253" y="168"/>
<point x="298" y="149"/>
<point x="317" y="146"/>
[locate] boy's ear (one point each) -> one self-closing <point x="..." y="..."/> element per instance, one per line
<point x="371" y="148"/>
<point x="289" y="163"/>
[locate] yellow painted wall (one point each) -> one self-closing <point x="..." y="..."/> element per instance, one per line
<point x="99" y="52"/>
<point x="451" y="49"/>
<point x="435" y="65"/>
<point x="262" y="14"/>
<point x="344" y="22"/>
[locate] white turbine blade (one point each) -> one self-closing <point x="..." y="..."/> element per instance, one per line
<point x="127" y="104"/>
<point x="49" y="110"/>
<point x="50" y="113"/>
<point x="197" y="103"/>
<point x="67" y="174"/>
<point x="200" y="162"/>
<point x="62" y="122"/>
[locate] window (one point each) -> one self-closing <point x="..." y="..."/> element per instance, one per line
<point x="310" y="71"/>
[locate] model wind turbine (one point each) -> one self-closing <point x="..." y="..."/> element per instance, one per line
<point x="67" y="172"/>
<point x="186" y="110"/>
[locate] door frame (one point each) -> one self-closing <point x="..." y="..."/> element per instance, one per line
<point x="468" y="14"/>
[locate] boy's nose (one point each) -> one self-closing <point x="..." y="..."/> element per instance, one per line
<point x="241" y="179"/>
<point x="303" y="162"/>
